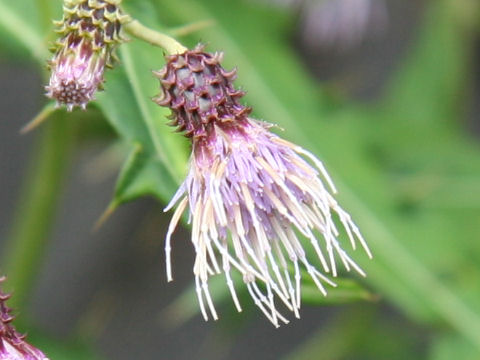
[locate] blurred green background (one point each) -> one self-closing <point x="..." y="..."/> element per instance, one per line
<point x="386" y="93"/>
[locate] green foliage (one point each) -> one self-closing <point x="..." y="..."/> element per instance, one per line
<point x="346" y="291"/>
<point x="345" y="337"/>
<point x="451" y="346"/>
<point x="405" y="167"/>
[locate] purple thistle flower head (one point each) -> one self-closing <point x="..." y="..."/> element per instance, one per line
<point x="12" y="344"/>
<point x="89" y="33"/>
<point x="252" y="196"/>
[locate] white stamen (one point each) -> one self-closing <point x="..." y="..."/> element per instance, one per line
<point x="250" y="205"/>
<point x="171" y="228"/>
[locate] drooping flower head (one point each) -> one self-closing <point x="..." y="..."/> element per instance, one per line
<point x="12" y="344"/>
<point x="88" y="35"/>
<point x="252" y="196"/>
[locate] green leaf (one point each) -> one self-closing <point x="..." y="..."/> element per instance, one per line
<point x="360" y="332"/>
<point x="14" y="25"/>
<point x="128" y="107"/>
<point x="143" y="175"/>
<point x="451" y="346"/>
<point x="346" y="291"/>
<point x="22" y="25"/>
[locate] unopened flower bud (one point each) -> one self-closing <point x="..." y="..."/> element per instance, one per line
<point x="88" y="35"/>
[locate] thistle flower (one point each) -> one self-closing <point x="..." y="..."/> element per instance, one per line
<point x="12" y="343"/>
<point x="89" y="33"/>
<point x="251" y="194"/>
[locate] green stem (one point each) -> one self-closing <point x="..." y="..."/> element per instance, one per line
<point x="37" y="206"/>
<point x="153" y="37"/>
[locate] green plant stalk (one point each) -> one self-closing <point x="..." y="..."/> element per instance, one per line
<point x="37" y="206"/>
<point x="171" y="46"/>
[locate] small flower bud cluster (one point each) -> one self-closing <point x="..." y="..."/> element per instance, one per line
<point x="12" y="343"/>
<point x="88" y="35"/>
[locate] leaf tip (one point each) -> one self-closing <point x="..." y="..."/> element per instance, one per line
<point x="105" y="216"/>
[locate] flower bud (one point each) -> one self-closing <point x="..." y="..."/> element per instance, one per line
<point x="88" y="35"/>
<point x="199" y="92"/>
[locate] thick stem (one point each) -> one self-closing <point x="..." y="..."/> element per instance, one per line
<point x="153" y="37"/>
<point x="37" y="207"/>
